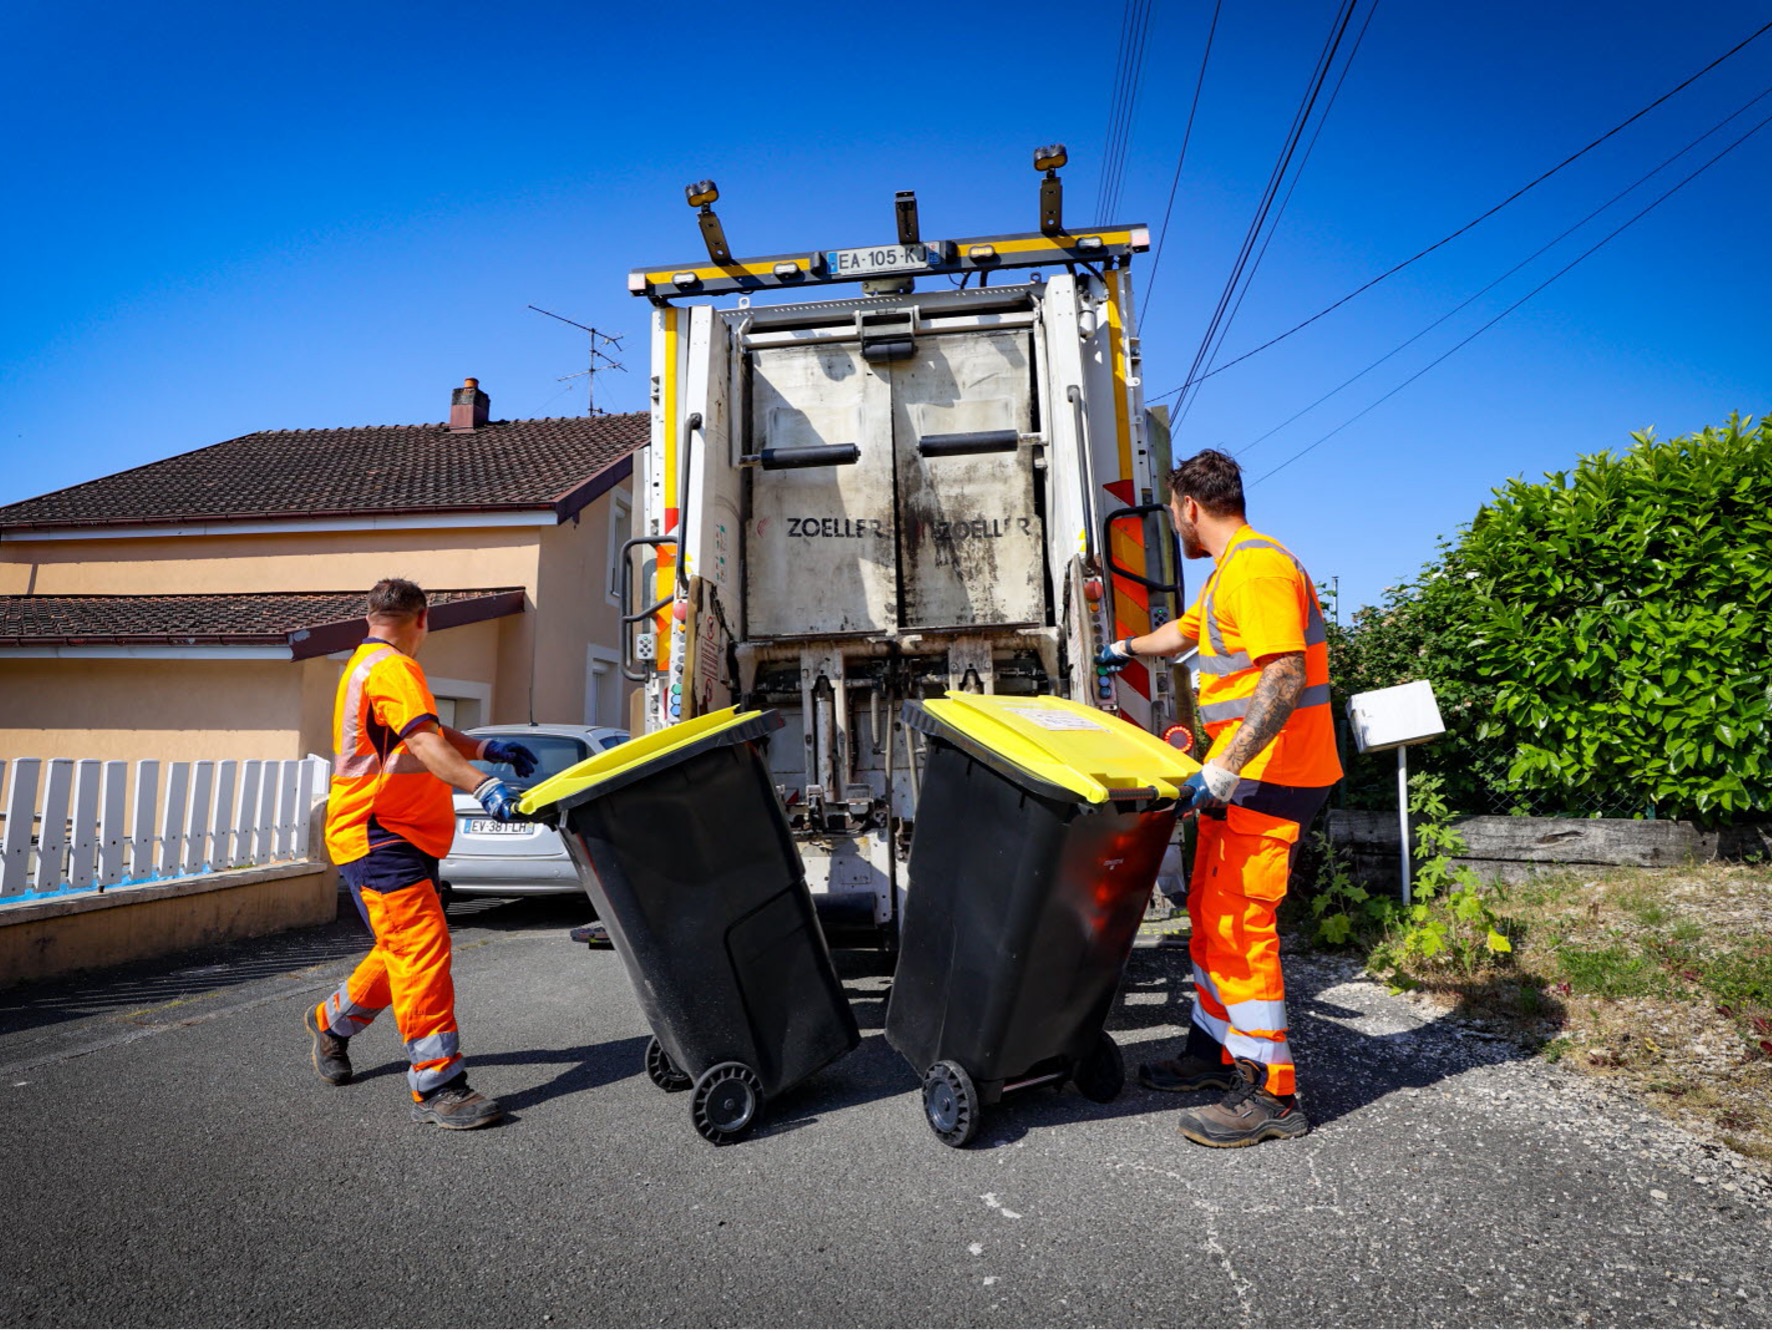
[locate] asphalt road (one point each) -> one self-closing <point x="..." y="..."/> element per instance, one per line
<point x="170" y="1159"/>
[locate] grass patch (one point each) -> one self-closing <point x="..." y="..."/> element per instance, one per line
<point x="1659" y="979"/>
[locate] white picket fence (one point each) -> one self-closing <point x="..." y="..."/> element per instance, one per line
<point x="64" y="829"/>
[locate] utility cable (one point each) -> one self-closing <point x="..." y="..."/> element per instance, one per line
<point x="1118" y="78"/>
<point x="1517" y="304"/>
<point x="1191" y="115"/>
<point x="1310" y="93"/>
<point x="1128" y="87"/>
<point x="1476" y="296"/>
<point x="1302" y="162"/>
<point x="1481" y="217"/>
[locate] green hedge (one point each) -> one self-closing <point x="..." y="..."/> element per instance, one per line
<point x="1599" y="642"/>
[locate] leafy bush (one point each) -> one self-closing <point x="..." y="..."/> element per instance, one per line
<point x="1610" y="629"/>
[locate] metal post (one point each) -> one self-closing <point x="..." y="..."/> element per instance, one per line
<point x="1402" y="812"/>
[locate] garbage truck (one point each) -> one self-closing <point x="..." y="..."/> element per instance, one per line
<point x="875" y="474"/>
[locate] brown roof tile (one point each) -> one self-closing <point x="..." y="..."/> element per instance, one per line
<point x="310" y="623"/>
<point x="558" y="463"/>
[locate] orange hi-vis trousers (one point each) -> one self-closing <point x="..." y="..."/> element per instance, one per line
<point x="1239" y="876"/>
<point x="408" y="970"/>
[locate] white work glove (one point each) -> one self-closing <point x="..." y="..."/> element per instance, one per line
<point x="1211" y="785"/>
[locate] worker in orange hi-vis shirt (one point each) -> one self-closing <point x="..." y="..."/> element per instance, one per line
<point x="1263" y="697"/>
<point x="389" y="821"/>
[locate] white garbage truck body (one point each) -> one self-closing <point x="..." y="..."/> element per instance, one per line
<point x="848" y="503"/>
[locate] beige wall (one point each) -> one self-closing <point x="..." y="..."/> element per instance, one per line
<point x="573" y="582"/>
<point x="83" y="708"/>
<point x="196" y="709"/>
<point x="285" y="562"/>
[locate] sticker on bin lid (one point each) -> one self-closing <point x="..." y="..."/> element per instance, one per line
<point x="1054" y="719"/>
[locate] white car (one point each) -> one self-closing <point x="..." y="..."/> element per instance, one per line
<point x="493" y="859"/>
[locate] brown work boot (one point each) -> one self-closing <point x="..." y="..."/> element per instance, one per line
<point x="1200" y="1065"/>
<point x="1246" y="1115"/>
<point x="457" y="1106"/>
<point x="327" y="1052"/>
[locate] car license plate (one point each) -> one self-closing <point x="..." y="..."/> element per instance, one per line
<point x="878" y="259"/>
<point x="495" y="826"/>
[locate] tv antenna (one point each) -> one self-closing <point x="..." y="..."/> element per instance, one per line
<point x="596" y="359"/>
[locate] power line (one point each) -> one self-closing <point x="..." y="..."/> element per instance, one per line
<point x="1517" y="304"/>
<point x="1478" y="295"/>
<point x="1481" y="217"/>
<point x="1302" y="162"/>
<point x="1310" y="93"/>
<point x="1127" y="84"/>
<point x="1191" y="115"/>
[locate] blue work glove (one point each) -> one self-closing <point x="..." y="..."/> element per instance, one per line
<point x="499" y="800"/>
<point x="521" y="760"/>
<point x="1113" y="655"/>
<point x="1211" y="785"/>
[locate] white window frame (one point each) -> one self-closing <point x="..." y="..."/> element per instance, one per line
<point x="603" y="664"/>
<point x="617" y="533"/>
<point x="465" y="689"/>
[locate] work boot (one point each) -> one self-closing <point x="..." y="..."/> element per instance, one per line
<point x="1199" y="1065"/>
<point x="327" y="1052"/>
<point x="457" y="1106"/>
<point x="1246" y="1114"/>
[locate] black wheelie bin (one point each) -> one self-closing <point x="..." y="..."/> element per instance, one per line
<point x="1038" y="830"/>
<point x="684" y="849"/>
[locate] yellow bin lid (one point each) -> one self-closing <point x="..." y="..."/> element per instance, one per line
<point x="729" y="726"/>
<point x="1092" y="754"/>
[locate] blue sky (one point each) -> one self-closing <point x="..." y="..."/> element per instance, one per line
<point x="228" y="218"/>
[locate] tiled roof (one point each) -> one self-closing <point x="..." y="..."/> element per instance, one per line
<point x="311" y="624"/>
<point x="558" y="463"/>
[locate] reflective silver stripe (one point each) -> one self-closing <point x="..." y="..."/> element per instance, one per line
<point x="345" y="1018"/>
<point x="1218" y="1029"/>
<point x="1312" y="697"/>
<point x="424" y="1081"/>
<point x="352" y="710"/>
<point x="1224" y="666"/>
<point x="1258" y="1016"/>
<point x="1258" y="1049"/>
<point x="439" y="1046"/>
<point x="356" y="765"/>
<point x="1223" y="712"/>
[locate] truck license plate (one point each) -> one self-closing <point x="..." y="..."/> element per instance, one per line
<point x="495" y="826"/>
<point x="878" y="259"/>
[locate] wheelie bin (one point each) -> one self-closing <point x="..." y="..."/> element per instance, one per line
<point x="1039" y="826"/>
<point x="683" y="847"/>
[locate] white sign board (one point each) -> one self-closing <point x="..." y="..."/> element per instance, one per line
<point x="1401" y="715"/>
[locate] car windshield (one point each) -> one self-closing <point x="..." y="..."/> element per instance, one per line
<point x="554" y="754"/>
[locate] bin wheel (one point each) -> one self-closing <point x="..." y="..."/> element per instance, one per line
<point x="1100" y="1076"/>
<point x="953" y="1109"/>
<point x="662" y="1072"/>
<point x="724" y="1100"/>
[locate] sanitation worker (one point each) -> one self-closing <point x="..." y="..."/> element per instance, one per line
<point x="1263" y="697"/>
<point x="389" y="820"/>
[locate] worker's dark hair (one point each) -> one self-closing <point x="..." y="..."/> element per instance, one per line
<point x="1212" y="478"/>
<point x="396" y="599"/>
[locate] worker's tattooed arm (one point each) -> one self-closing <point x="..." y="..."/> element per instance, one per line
<point x="1280" y="687"/>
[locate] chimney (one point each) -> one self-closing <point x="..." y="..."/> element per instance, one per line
<point x="469" y="407"/>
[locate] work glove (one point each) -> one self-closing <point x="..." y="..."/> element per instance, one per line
<point x="1113" y="655"/>
<point x="499" y="800"/>
<point x="516" y="756"/>
<point x="1211" y="785"/>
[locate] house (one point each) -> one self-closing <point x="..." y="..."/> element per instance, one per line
<point x="200" y="607"/>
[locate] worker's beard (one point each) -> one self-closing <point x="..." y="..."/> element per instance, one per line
<point x="1195" y="549"/>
